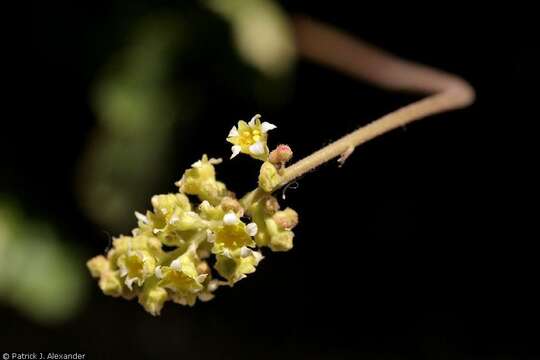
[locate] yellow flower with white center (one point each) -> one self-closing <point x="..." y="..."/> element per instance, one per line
<point x="136" y="266"/>
<point x="181" y="276"/>
<point x="232" y="235"/>
<point x="250" y="138"/>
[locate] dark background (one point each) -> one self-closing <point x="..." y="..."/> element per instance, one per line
<point x="421" y="246"/>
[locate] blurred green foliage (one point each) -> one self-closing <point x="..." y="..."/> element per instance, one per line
<point x="39" y="275"/>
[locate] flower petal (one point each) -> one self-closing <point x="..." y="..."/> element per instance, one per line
<point x="141" y="217"/>
<point x="257" y="148"/>
<point x="253" y="119"/>
<point x="235" y="150"/>
<point x="158" y="272"/>
<point x="266" y="126"/>
<point x="129" y="282"/>
<point x="233" y="132"/>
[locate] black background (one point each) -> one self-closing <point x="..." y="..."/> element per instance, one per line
<point x="421" y="246"/>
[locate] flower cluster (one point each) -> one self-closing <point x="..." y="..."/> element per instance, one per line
<point x="201" y="237"/>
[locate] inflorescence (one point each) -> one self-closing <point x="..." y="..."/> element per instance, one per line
<point x="203" y="236"/>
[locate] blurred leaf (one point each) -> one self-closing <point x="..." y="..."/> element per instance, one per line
<point x="262" y="33"/>
<point x="39" y="275"/>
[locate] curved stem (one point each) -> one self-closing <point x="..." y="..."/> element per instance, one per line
<point x="328" y="46"/>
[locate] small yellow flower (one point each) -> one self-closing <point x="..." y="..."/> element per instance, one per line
<point x="237" y="267"/>
<point x="250" y="138"/>
<point x="232" y="235"/>
<point x="181" y="276"/>
<point x="124" y="244"/>
<point x="136" y="266"/>
<point x="200" y="180"/>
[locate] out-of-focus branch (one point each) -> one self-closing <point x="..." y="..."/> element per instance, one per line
<point x="326" y="45"/>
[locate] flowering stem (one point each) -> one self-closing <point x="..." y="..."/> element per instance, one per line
<point x="328" y="46"/>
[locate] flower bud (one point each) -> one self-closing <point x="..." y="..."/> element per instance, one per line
<point x="282" y="241"/>
<point x="110" y="284"/>
<point x="230" y="204"/>
<point x="98" y="265"/>
<point x="280" y="155"/>
<point x="203" y="268"/>
<point x="152" y="299"/>
<point x="269" y="177"/>
<point x="286" y="219"/>
<point x="271" y="204"/>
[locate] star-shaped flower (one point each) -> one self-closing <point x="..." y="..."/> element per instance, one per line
<point x="181" y="276"/>
<point x="136" y="266"/>
<point x="232" y="235"/>
<point x="250" y="138"/>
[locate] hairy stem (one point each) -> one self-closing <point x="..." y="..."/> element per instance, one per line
<point x="328" y="46"/>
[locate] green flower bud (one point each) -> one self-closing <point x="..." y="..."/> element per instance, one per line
<point x="110" y="284"/>
<point x="200" y="180"/>
<point x="98" y="265"/>
<point x="286" y="219"/>
<point x="209" y="212"/>
<point x="166" y="204"/>
<point x="269" y="177"/>
<point x="153" y="297"/>
<point x="283" y="241"/>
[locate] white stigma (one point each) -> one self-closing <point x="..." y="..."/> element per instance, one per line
<point x="176" y="265"/>
<point x="244" y="252"/>
<point x="251" y="229"/>
<point x="230" y="219"/>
